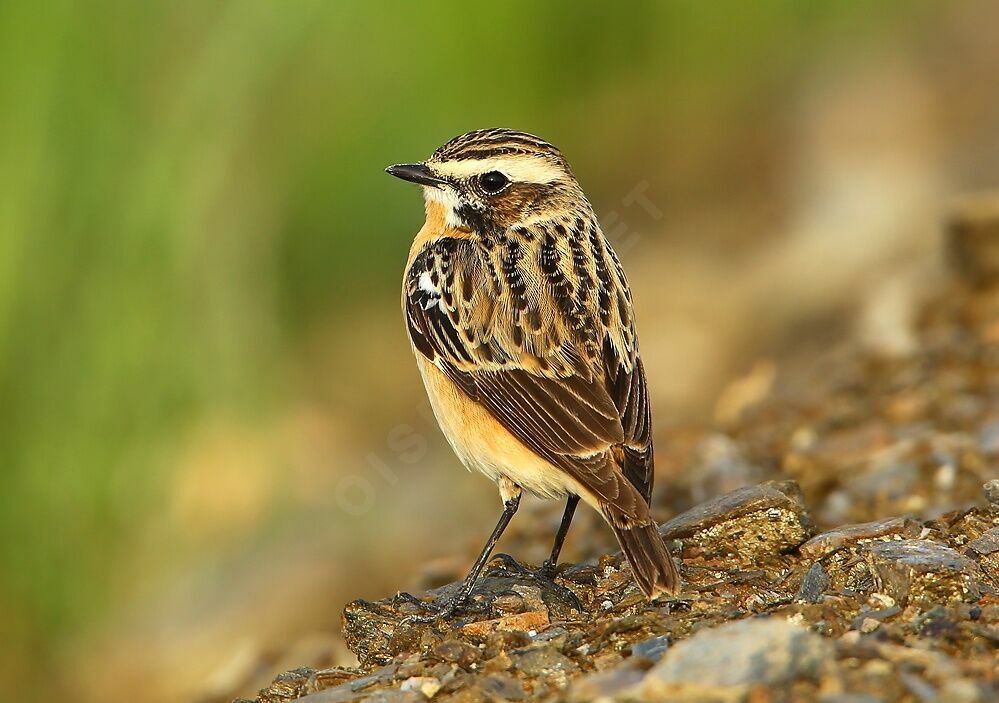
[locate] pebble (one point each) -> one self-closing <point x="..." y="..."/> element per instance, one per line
<point x="457" y="652"/>
<point x="991" y="490"/>
<point x="924" y="573"/>
<point x="814" y="585"/>
<point x="869" y="625"/>
<point x="504" y="687"/>
<point x="891" y="528"/>
<point x="427" y="685"/>
<point x="523" y="622"/>
<point x="652" y="648"/>
<point x="986" y="550"/>
<point x="768" y="651"/>
<point x="744" y="524"/>
<point x="543" y="661"/>
<point x="604" y="685"/>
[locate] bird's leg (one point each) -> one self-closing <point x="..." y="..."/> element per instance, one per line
<point x="447" y="608"/>
<point x="550" y="564"/>
<point x="546" y="572"/>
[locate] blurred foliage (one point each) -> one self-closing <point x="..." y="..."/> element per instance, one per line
<point x="188" y="191"/>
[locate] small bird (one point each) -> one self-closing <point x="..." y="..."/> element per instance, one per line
<point x="523" y="328"/>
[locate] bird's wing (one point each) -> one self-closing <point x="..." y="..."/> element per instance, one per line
<point x="539" y="332"/>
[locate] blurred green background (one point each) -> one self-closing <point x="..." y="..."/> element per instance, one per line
<point x="200" y="257"/>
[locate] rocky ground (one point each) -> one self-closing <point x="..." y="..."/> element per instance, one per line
<point x="850" y="554"/>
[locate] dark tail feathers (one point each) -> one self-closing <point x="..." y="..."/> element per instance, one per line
<point x="654" y="568"/>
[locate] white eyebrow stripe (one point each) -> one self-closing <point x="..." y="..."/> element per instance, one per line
<point x="523" y="169"/>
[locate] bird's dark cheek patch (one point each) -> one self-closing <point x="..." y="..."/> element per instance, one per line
<point x="475" y="219"/>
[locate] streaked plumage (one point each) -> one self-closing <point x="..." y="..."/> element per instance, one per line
<point x="521" y="318"/>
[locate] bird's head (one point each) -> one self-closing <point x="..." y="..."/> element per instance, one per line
<point x="493" y="179"/>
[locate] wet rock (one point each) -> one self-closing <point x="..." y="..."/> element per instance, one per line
<point x="375" y="634"/>
<point x="744" y="525"/>
<point x="924" y="573"/>
<point x="892" y="528"/>
<point x="770" y="651"/>
<point x="378" y="631"/>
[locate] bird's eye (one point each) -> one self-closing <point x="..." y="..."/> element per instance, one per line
<point x="493" y="182"/>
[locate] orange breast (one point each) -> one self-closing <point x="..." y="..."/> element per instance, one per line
<point x="485" y="445"/>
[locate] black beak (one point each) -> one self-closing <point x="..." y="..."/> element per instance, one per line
<point x="415" y="173"/>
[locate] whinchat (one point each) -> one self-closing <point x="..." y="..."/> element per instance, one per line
<point x="522" y="323"/>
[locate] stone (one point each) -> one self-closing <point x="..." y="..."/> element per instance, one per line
<point x="534" y="621"/>
<point x="364" y="688"/>
<point x="813" y="585"/>
<point x="458" y="652"/>
<point x="604" y="685"/>
<point x="378" y="631"/>
<point x="544" y="662"/>
<point x="991" y="490"/>
<point x="986" y="550"/>
<point x="370" y="632"/>
<point x="503" y="687"/>
<point x="892" y="528"/>
<point x="745" y="524"/>
<point x="652" y="648"/>
<point x="760" y="651"/>
<point x="923" y="573"/>
<point x="427" y="685"/>
<point x="289" y="685"/>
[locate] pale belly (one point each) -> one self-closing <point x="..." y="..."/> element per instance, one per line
<point x="484" y="445"/>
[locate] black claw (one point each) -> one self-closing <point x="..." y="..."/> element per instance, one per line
<point x="405" y="597"/>
<point x="512" y="565"/>
<point x="442" y="610"/>
<point x="545" y="574"/>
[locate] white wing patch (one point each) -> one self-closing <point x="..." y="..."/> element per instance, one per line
<point x="433" y="293"/>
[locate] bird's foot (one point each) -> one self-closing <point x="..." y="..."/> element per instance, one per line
<point x="437" y="610"/>
<point x="545" y="574"/>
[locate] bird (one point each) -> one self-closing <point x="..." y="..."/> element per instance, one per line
<point x="522" y="323"/>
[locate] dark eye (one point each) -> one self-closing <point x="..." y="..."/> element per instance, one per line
<point x="494" y="182"/>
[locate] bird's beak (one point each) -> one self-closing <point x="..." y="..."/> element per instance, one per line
<point x="415" y="173"/>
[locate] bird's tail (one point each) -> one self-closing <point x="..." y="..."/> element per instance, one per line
<point x="653" y="566"/>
